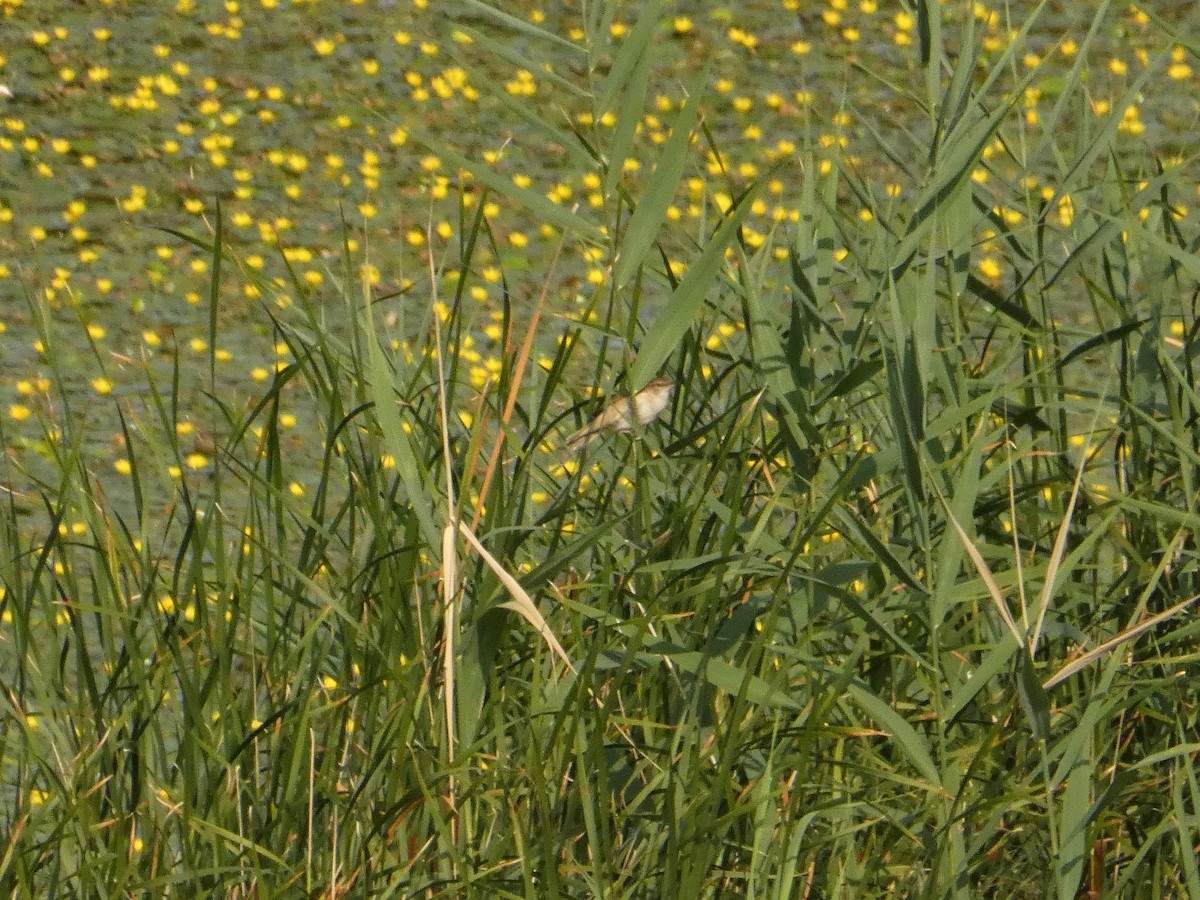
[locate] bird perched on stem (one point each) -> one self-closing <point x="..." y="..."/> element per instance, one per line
<point x="647" y="405"/>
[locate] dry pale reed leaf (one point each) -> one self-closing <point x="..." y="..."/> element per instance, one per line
<point x="521" y="601"/>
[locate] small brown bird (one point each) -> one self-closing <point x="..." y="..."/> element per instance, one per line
<point x="647" y="405"/>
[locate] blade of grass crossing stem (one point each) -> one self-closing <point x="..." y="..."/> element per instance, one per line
<point x="985" y="573"/>
<point x="957" y="94"/>
<point x="1068" y="94"/>
<point x="1183" y="36"/>
<point x="785" y="879"/>
<point x="1103" y="140"/>
<point x="599" y="26"/>
<point x="959" y="155"/>
<point x="629" y="75"/>
<point x="548" y="211"/>
<point x="634" y="48"/>
<point x="504" y="50"/>
<point x="782" y="371"/>
<point x="522" y="26"/>
<point x="963" y="149"/>
<point x="733" y="680"/>
<point x="517" y="377"/>
<point x="766" y="815"/>
<point x="949" y="556"/>
<point x="904" y="735"/>
<point x="819" y="196"/>
<point x="382" y="391"/>
<point x="994" y="662"/>
<point x="581" y="159"/>
<point x="915" y="299"/>
<point x="675" y="319"/>
<point x="1185" y="819"/>
<point x="652" y="207"/>
<point x="214" y="297"/>
<point x="630" y="112"/>
<point x="1074" y="815"/>
<point x="906" y="402"/>
<point x="958" y="221"/>
<point x="779" y="373"/>
<point x="1008" y="61"/>
<point x="925" y="41"/>
<point x="1181" y="256"/>
<point x="1033" y="697"/>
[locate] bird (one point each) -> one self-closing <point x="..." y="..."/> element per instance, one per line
<point x="648" y="404"/>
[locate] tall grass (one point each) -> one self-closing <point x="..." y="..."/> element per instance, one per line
<point x="870" y="610"/>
